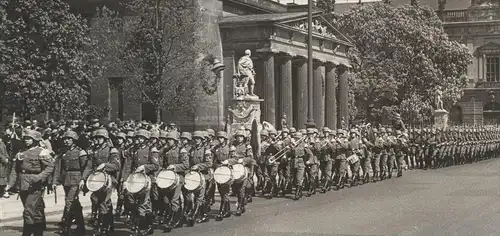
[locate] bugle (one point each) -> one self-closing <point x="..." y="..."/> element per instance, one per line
<point x="283" y="151"/>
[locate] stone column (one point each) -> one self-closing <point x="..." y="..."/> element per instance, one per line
<point x="343" y="74"/>
<point x="330" y="96"/>
<point x="300" y="93"/>
<point x="286" y="89"/>
<point x="268" y="87"/>
<point x="319" y="94"/>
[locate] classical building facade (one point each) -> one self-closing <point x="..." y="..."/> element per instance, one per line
<point x="276" y="34"/>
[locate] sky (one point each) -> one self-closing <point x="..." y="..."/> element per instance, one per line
<point x="300" y="2"/>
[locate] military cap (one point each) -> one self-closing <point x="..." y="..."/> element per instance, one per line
<point x="70" y="134"/>
<point x="310" y="131"/>
<point x="315" y="130"/>
<point x="340" y="131"/>
<point x="382" y="130"/>
<point x="27" y="122"/>
<point x="163" y="134"/>
<point x="211" y="132"/>
<point x="285" y="130"/>
<point x="35" y="135"/>
<point x="240" y="133"/>
<point x="155" y="134"/>
<point x="322" y="135"/>
<point x="297" y="134"/>
<point x="389" y="130"/>
<point x="173" y="135"/>
<point x="264" y="132"/>
<point x="121" y="135"/>
<point x="198" y="134"/>
<point x="326" y="130"/>
<point x="143" y="133"/>
<point x="206" y="135"/>
<point x="222" y="134"/>
<point x="101" y="133"/>
<point x="272" y="131"/>
<point x="186" y="135"/>
<point x="303" y="131"/>
<point x="292" y="130"/>
<point x="172" y="125"/>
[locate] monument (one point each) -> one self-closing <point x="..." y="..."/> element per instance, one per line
<point x="245" y="107"/>
<point x="440" y="114"/>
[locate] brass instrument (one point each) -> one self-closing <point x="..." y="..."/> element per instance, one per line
<point x="283" y="151"/>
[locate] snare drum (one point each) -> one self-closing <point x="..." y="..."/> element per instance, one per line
<point x="97" y="181"/>
<point x="138" y="183"/>
<point x="352" y="159"/>
<point x="240" y="172"/>
<point x="194" y="181"/>
<point x="223" y="175"/>
<point x="167" y="179"/>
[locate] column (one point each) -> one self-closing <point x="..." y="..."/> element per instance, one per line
<point x="269" y="88"/>
<point x="343" y="73"/>
<point x="319" y="94"/>
<point x="300" y="92"/>
<point x="484" y="67"/>
<point x="480" y="69"/>
<point x="286" y="98"/>
<point x="330" y="97"/>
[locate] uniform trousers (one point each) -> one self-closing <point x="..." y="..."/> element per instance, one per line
<point x="383" y="161"/>
<point x="376" y="162"/>
<point x="34" y="206"/>
<point x="172" y="197"/>
<point x="72" y="205"/>
<point x="326" y="169"/>
<point x="224" y="192"/>
<point x="298" y="174"/>
<point x="271" y="170"/>
<point x="101" y="200"/>
<point x="140" y="202"/>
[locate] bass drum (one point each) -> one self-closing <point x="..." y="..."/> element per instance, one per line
<point x="194" y="181"/>
<point x="223" y="175"/>
<point x="240" y="172"/>
<point x="138" y="183"/>
<point x="167" y="179"/>
<point x="97" y="181"/>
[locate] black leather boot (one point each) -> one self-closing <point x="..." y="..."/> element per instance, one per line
<point x="38" y="229"/>
<point x="220" y="216"/>
<point x="193" y="214"/>
<point x="204" y="210"/>
<point x="149" y="224"/>
<point x="298" y="193"/>
<point x="238" y="209"/>
<point x="227" y="209"/>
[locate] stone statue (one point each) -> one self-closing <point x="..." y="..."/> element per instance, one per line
<point x="284" y="123"/>
<point x="438" y="98"/>
<point x="246" y="73"/>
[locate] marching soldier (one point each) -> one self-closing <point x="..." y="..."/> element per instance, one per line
<point x="342" y="147"/>
<point x="123" y="154"/>
<point x="201" y="160"/>
<point x="355" y="150"/>
<point x="312" y="163"/>
<point x="270" y="167"/>
<point x="69" y="170"/>
<point x="174" y="158"/>
<point x="285" y="165"/>
<point x="222" y="154"/>
<point x="299" y="155"/>
<point x="325" y="158"/>
<point x="143" y="159"/>
<point x="32" y="168"/>
<point x="102" y="158"/>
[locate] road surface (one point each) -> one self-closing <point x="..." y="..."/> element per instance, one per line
<point x="458" y="200"/>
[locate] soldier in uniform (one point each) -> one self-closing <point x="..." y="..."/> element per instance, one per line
<point x="312" y="163"/>
<point x="367" y="155"/>
<point x="32" y="169"/>
<point x="342" y="147"/>
<point x="201" y="160"/>
<point x="68" y="172"/>
<point x="174" y="158"/>
<point x="400" y="149"/>
<point x="122" y="150"/>
<point x="270" y="167"/>
<point x="143" y="159"/>
<point x="222" y="151"/>
<point x="299" y="155"/>
<point x="378" y="152"/>
<point x="186" y="138"/>
<point x="102" y="158"/>
<point x="355" y="148"/>
<point x="284" y="166"/>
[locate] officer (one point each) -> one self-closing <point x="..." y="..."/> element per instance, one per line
<point x="144" y="159"/>
<point x="33" y="166"/>
<point x="174" y="158"/>
<point x="68" y="172"/>
<point x="120" y="145"/>
<point x="221" y="152"/>
<point x="102" y="158"/>
<point x="201" y="160"/>
<point x="299" y="155"/>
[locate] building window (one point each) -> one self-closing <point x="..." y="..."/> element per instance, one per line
<point x="493" y="68"/>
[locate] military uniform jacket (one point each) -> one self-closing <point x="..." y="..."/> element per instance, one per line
<point x="104" y="154"/>
<point x="33" y="167"/>
<point x="146" y="156"/>
<point x="324" y="150"/>
<point x="245" y="152"/>
<point x="197" y="157"/>
<point x="379" y="145"/>
<point x="221" y="154"/>
<point x="342" y="148"/>
<point x="299" y="155"/>
<point x="176" y="156"/>
<point x="355" y="147"/>
<point x="70" y="166"/>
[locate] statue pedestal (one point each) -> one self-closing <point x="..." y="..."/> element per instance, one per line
<point x="440" y="119"/>
<point x="243" y="111"/>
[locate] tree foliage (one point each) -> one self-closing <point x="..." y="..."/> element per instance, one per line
<point x="47" y="61"/>
<point x="158" y="47"/>
<point x="402" y="53"/>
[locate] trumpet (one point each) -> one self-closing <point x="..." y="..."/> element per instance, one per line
<point x="283" y="151"/>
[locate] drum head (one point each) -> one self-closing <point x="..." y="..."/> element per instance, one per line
<point x="239" y="171"/>
<point x="166" y="179"/>
<point x="96" y="181"/>
<point x="193" y="180"/>
<point x="136" y="182"/>
<point x="223" y="175"/>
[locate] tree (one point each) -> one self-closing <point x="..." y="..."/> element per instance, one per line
<point x="402" y="53"/>
<point x="159" y="48"/>
<point x="47" y="61"/>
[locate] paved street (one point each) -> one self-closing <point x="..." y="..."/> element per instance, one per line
<point x="459" y="200"/>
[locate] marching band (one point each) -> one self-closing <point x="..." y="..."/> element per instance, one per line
<point x="166" y="179"/>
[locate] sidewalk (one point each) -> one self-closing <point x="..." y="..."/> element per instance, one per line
<point x="11" y="209"/>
